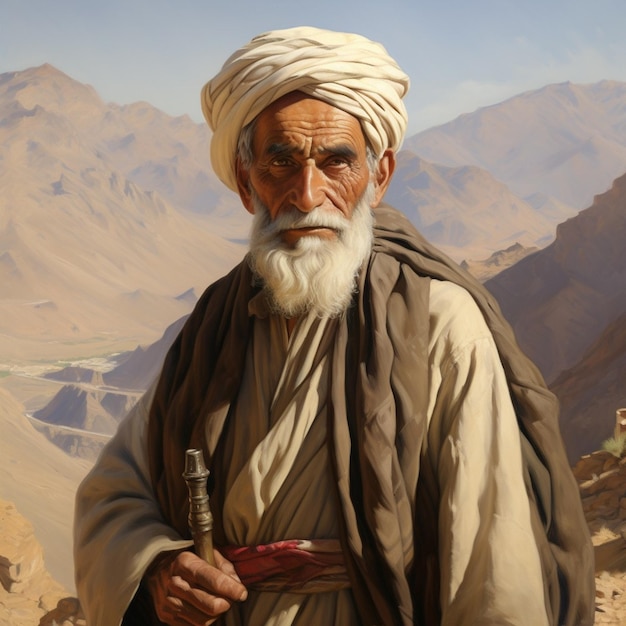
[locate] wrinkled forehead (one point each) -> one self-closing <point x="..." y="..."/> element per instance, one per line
<point x="299" y="119"/>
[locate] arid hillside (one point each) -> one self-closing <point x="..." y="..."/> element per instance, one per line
<point x="109" y="214"/>
<point x="40" y="479"/>
<point x="591" y="392"/>
<point x="562" y="298"/>
<point x="464" y="210"/>
<point x="562" y="143"/>
<point x="94" y="255"/>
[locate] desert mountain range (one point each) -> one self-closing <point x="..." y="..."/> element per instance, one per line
<point x="42" y="479"/>
<point x="592" y="390"/>
<point x="467" y="212"/>
<point x="108" y="213"/>
<point x="565" y="142"/>
<point x="567" y="305"/>
<point x="88" y="254"/>
<point x="560" y="299"/>
<point x="111" y="223"/>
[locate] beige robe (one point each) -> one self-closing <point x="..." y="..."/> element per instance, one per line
<point x="279" y="481"/>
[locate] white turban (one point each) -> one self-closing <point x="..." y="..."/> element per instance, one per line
<point x="347" y="71"/>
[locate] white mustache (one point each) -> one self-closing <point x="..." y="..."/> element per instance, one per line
<point x="317" y="218"/>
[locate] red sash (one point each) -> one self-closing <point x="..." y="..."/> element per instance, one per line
<point x="299" y="566"/>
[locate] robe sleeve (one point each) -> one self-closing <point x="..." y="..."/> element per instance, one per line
<point x="489" y="561"/>
<point x="118" y="527"/>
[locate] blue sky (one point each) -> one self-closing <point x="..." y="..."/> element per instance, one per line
<point x="460" y="54"/>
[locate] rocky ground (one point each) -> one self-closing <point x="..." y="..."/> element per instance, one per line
<point x="28" y="594"/>
<point x="602" y="479"/>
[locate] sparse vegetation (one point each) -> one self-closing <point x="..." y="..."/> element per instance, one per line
<point x="4" y="373"/>
<point x="615" y="445"/>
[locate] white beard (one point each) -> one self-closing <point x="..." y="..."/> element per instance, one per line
<point x="317" y="275"/>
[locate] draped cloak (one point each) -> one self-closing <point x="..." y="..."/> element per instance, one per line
<point x="387" y="489"/>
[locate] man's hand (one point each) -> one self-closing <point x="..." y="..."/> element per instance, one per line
<point x="187" y="590"/>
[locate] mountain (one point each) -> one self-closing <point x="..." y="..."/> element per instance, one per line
<point x="83" y="443"/>
<point x="88" y="408"/>
<point x="567" y="304"/>
<point x="141" y="367"/>
<point x="111" y="221"/>
<point x="560" y="299"/>
<point x="601" y="478"/>
<point x="484" y="269"/>
<point x="85" y="412"/>
<point x="157" y="152"/>
<point x="40" y="479"/>
<point x="592" y="390"/>
<point x="108" y="213"/>
<point x="464" y="210"/>
<point x="94" y="254"/>
<point x="27" y="591"/>
<point x="565" y="141"/>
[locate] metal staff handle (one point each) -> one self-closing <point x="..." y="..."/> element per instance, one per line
<point x="200" y="518"/>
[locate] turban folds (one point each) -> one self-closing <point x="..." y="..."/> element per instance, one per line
<point x="345" y="70"/>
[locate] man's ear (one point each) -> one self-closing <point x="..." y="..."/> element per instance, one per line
<point x="382" y="177"/>
<point x="243" y="186"/>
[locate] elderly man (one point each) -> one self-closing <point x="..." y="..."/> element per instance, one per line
<point x="357" y="397"/>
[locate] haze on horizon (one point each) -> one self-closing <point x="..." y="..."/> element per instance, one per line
<point x="459" y="55"/>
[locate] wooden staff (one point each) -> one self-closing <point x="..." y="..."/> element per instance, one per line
<point x="200" y="518"/>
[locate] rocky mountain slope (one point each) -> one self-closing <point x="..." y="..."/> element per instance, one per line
<point x="156" y="151"/>
<point x="86" y="410"/>
<point x="592" y="391"/>
<point x="28" y="593"/>
<point x="484" y="269"/>
<point x="140" y="368"/>
<point x="560" y="299"/>
<point x="562" y="143"/>
<point x="108" y="214"/>
<point x="40" y="479"/>
<point x="87" y="255"/>
<point x="602" y="480"/>
<point x="464" y="210"/>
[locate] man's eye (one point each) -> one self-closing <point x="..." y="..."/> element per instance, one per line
<point x="337" y="162"/>
<point x="281" y="162"/>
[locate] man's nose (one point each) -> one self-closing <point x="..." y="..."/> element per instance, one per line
<point x="308" y="190"/>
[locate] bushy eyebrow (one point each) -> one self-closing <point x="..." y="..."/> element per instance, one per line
<point x="341" y="150"/>
<point x="280" y="149"/>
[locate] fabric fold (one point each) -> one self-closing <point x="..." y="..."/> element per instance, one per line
<point x="376" y="418"/>
<point x="296" y="565"/>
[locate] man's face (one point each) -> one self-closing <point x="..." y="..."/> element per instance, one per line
<point x="311" y="190"/>
<point x="306" y="154"/>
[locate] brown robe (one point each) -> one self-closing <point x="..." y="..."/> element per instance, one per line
<point x="378" y="410"/>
